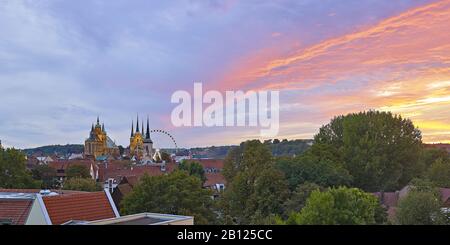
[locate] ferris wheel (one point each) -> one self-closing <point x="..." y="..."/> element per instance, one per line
<point x="160" y="131"/>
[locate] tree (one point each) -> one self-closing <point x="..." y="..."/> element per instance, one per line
<point x="256" y="189"/>
<point x="338" y="206"/>
<point x="439" y="173"/>
<point x="13" y="172"/>
<point x="420" y="208"/>
<point x="46" y="174"/>
<point x="77" y="171"/>
<point x="193" y="169"/>
<point x="430" y="155"/>
<point x="309" y="168"/>
<point x="175" y="193"/>
<point x="81" y="184"/>
<point x="298" y="197"/>
<point x="380" y="150"/>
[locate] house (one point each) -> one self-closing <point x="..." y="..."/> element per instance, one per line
<point x="213" y="173"/>
<point x="143" y="219"/>
<point x="110" y="173"/>
<point x="75" y="156"/>
<point x="14" y="209"/>
<point x="51" y="208"/>
<point x="61" y="167"/>
<point x="124" y="187"/>
<point x="390" y="200"/>
<point x="45" y="207"/>
<point x="44" y="160"/>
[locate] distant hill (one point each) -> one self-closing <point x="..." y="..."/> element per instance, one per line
<point x="278" y="148"/>
<point x="59" y="149"/>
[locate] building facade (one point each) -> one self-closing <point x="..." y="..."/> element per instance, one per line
<point x="141" y="145"/>
<point x="99" y="144"/>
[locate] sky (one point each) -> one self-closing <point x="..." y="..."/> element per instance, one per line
<point x="63" y="63"/>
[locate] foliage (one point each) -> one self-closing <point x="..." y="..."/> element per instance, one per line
<point x="298" y="198"/>
<point x="256" y="189"/>
<point x="381" y="151"/>
<point x="276" y="147"/>
<point x="309" y="168"/>
<point x="430" y="155"/>
<point x="77" y="171"/>
<point x="82" y="184"/>
<point x="46" y="174"/>
<point x="13" y="173"/>
<point x="439" y="173"/>
<point x="337" y="206"/>
<point x="58" y="149"/>
<point x="175" y="193"/>
<point x="193" y="169"/>
<point x="420" y="207"/>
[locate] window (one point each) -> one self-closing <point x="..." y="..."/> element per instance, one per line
<point x="5" y="221"/>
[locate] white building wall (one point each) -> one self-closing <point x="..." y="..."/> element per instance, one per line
<point x="36" y="216"/>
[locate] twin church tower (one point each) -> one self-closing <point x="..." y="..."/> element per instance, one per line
<point x="99" y="145"/>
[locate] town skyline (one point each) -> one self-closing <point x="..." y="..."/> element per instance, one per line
<point x="65" y="63"/>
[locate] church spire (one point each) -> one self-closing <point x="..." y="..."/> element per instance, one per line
<point x="98" y="121"/>
<point x="132" y="128"/>
<point x="143" y="130"/>
<point x="103" y="127"/>
<point x="92" y="128"/>
<point x="147" y="134"/>
<point x="137" y="124"/>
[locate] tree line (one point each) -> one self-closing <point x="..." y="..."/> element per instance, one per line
<point x="331" y="182"/>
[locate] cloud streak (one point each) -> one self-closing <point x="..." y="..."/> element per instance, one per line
<point x="400" y="64"/>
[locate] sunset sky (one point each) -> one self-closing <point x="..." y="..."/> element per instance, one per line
<point x="62" y="63"/>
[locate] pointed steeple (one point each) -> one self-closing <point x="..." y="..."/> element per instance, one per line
<point x="98" y="121"/>
<point x="103" y="127"/>
<point x="137" y="124"/>
<point x="143" y="130"/>
<point x="147" y="134"/>
<point x="92" y="128"/>
<point x="132" y="128"/>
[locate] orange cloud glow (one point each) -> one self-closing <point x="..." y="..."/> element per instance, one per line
<point x="401" y="64"/>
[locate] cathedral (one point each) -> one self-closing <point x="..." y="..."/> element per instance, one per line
<point x="99" y="144"/>
<point x="141" y="145"/>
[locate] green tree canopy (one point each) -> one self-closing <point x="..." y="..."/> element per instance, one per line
<point x="256" y="189"/>
<point x="297" y="199"/>
<point x="46" y="174"/>
<point x="175" y="193"/>
<point x="439" y="173"/>
<point x="381" y="151"/>
<point x="81" y="184"/>
<point x="77" y="171"/>
<point x="13" y="172"/>
<point x="338" y="206"/>
<point x="421" y="206"/>
<point x="193" y="169"/>
<point x="309" y="168"/>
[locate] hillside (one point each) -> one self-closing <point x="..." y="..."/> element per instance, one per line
<point x="59" y="149"/>
<point x="278" y="148"/>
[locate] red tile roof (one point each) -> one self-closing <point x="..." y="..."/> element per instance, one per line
<point x="64" y="164"/>
<point x="119" y="171"/>
<point x="78" y="206"/>
<point x="214" y="178"/>
<point x="445" y="194"/>
<point x="16" y="210"/>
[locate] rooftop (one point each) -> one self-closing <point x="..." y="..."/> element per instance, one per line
<point x="79" y="206"/>
<point x="146" y="219"/>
